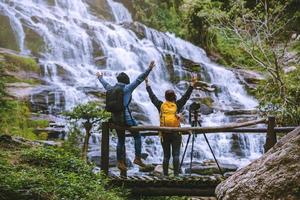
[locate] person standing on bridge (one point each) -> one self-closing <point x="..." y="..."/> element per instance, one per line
<point x="170" y="117"/>
<point x="118" y="98"/>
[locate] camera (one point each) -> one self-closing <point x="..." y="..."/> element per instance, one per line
<point x="194" y="111"/>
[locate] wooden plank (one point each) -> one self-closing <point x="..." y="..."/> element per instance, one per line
<point x="235" y="130"/>
<point x="188" y="129"/>
<point x="173" y="191"/>
<point x="105" y="148"/>
<point x="271" y="134"/>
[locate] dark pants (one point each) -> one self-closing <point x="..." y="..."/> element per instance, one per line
<point x="171" y="142"/>
<point x="121" y="150"/>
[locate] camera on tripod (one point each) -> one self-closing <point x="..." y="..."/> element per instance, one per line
<point x="194" y="113"/>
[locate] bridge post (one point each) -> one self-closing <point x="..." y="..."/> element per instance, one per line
<point x="271" y="134"/>
<point x="105" y="148"/>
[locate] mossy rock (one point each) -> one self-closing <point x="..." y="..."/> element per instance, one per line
<point x="16" y="63"/>
<point x="34" y="42"/>
<point x="207" y="101"/>
<point x="7" y="36"/>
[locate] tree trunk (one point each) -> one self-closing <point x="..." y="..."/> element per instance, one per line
<point x="88" y="127"/>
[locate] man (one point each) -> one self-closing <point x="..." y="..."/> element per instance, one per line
<point x="124" y="118"/>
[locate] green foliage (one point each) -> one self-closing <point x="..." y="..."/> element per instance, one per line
<point x="90" y="115"/>
<point x="271" y="103"/>
<point x="92" y="112"/>
<point x="72" y="142"/>
<point x="15" y="114"/>
<point x="21" y="63"/>
<point x="50" y="173"/>
<point x="15" y="119"/>
<point x="162" y="15"/>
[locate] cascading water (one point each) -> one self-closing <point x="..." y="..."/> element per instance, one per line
<point x="75" y="40"/>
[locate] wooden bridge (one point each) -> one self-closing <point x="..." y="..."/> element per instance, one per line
<point x="185" y="185"/>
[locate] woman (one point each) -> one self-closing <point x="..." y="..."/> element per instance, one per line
<point x="169" y="116"/>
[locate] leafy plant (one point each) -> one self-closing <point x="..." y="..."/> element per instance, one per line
<point x="90" y="115"/>
<point x="50" y="174"/>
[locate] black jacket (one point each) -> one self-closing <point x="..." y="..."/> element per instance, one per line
<point x="180" y="103"/>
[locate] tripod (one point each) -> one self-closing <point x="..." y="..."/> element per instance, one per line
<point x="194" y="123"/>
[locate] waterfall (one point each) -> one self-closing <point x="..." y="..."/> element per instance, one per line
<point x="78" y="44"/>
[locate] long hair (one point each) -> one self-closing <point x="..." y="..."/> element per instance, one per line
<point x="170" y="95"/>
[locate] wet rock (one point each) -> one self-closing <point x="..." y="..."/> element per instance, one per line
<point x="112" y="160"/>
<point x="34" y="42"/>
<point x="101" y="9"/>
<point x="158" y="171"/>
<point x="147" y="168"/>
<point x="241" y="112"/>
<point x="236" y="145"/>
<point x="52" y="132"/>
<point x="7" y="36"/>
<point x="210" y="169"/>
<point x="64" y="75"/>
<point x="206" y="110"/>
<point x="275" y="175"/>
<point x="20" y="90"/>
<point x="136" y="27"/>
<point x="138" y="114"/>
<point x="190" y="65"/>
<point x="248" y="77"/>
<point x="47" y="100"/>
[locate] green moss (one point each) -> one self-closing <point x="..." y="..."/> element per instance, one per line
<point x="39" y="123"/>
<point x="16" y="63"/>
<point x="49" y="173"/>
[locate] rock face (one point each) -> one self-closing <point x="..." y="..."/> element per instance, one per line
<point x="276" y="175"/>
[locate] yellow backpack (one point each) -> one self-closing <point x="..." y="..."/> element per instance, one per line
<point x="168" y="117"/>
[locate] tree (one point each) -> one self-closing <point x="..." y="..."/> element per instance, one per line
<point x="263" y="32"/>
<point x="90" y="115"/>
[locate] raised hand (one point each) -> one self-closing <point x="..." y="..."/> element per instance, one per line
<point x="99" y="74"/>
<point x="152" y="64"/>
<point x="147" y="82"/>
<point x="194" y="80"/>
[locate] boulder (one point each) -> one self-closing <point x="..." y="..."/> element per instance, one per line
<point x="276" y="175"/>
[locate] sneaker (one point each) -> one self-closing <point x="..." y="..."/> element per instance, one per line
<point x="138" y="161"/>
<point x="121" y="165"/>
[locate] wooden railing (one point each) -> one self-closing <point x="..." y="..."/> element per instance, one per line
<point x="270" y="130"/>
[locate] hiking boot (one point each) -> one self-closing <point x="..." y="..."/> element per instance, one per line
<point x="138" y="161"/>
<point x="121" y="165"/>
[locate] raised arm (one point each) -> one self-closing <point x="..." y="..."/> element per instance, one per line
<point x="105" y="84"/>
<point x="130" y="87"/>
<point x="182" y="101"/>
<point x="157" y="103"/>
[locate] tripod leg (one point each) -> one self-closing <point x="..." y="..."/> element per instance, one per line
<point x="183" y="155"/>
<point x="192" y="152"/>
<point x="212" y="153"/>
